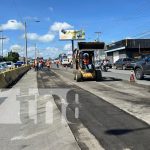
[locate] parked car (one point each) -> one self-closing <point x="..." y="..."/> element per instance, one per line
<point x="124" y="63"/>
<point x="142" y="67"/>
<point x="3" y="66"/>
<point x="19" y="63"/>
<point x="10" y="64"/>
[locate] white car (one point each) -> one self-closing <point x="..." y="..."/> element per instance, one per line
<point x="3" y="66"/>
<point x="65" y="62"/>
<point x="10" y="64"/>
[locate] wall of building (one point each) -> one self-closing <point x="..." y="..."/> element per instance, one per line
<point x="114" y="56"/>
<point x="110" y="56"/>
<point x="132" y="48"/>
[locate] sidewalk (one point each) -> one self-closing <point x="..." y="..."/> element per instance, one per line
<point x="31" y="131"/>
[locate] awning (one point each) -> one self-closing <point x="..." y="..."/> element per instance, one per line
<point x="116" y="49"/>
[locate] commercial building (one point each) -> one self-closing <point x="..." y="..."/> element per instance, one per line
<point x="127" y="48"/>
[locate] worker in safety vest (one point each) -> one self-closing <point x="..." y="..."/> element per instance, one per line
<point x="48" y="64"/>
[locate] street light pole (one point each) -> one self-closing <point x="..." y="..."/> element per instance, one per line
<point x="26" y="43"/>
<point x="35" y="51"/>
<point x="2" y="43"/>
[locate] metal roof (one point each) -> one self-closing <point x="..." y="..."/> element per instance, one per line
<point x="91" y="45"/>
<point x="116" y="49"/>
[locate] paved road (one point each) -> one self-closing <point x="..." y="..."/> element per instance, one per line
<point x="100" y="122"/>
<point x="120" y="75"/>
<point x="125" y="75"/>
<point x="30" y="120"/>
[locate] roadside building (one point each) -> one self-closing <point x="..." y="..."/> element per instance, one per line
<point x="127" y="48"/>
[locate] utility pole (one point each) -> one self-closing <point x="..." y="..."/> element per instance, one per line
<point x="98" y="35"/>
<point x="2" y="42"/>
<point x="26" y="43"/>
<point x="35" y="52"/>
<point x="72" y="43"/>
<point x="26" y="40"/>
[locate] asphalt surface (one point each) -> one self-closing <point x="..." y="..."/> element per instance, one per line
<point x="113" y="128"/>
<point x="32" y="121"/>
<point x="125" y="75"/>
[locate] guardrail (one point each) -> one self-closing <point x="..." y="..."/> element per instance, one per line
<point x="8" y="77"/>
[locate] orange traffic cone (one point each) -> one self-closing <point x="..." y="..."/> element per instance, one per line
<point x="132" y="78"/>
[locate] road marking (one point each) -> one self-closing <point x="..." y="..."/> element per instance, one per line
<point x="22" y="137"/>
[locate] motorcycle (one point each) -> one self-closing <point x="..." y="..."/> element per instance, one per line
<point x="104" y="67"/>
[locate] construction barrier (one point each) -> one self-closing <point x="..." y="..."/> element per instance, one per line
<point x="132" y="77"/>
<point x="10" y="76"/>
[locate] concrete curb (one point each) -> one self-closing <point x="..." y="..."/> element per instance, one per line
<point x="9" y="77"/>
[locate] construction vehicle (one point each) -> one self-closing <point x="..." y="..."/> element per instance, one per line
<point x="88" y="71"/>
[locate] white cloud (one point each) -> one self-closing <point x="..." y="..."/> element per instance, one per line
<point x="12" y="25"/>
<point x="52" y="52"/>
<point x="51" y="9"/>
<point x="32" y="36"/>
<point x="41" y="38"/>
<point x="46" y="38"/>
<point x="67" y="47"/>
<point x="52" y="49"/>
<point x="16" y="48"/>
<point x="20" y="49"/>
<point x="31" y="49"/>
<point x="60" y="25"/>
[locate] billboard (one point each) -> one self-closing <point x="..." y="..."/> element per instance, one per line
<point x="71" y="35"/>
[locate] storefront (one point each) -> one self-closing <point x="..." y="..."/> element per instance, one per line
<point x="127" y="48"/>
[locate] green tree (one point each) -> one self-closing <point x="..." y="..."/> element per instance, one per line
<point x="12" y="56"/>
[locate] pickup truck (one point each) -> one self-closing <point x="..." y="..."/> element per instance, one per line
<point x="142" y="67"/>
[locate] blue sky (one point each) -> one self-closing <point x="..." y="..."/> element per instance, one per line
<point x="116" y="19"/>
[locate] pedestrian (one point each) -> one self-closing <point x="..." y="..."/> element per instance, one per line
<point x="40" y="64"/>
<point x="36" y="64"/>
<point x="57" y="63"/>
<point x="71" y="64"/>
